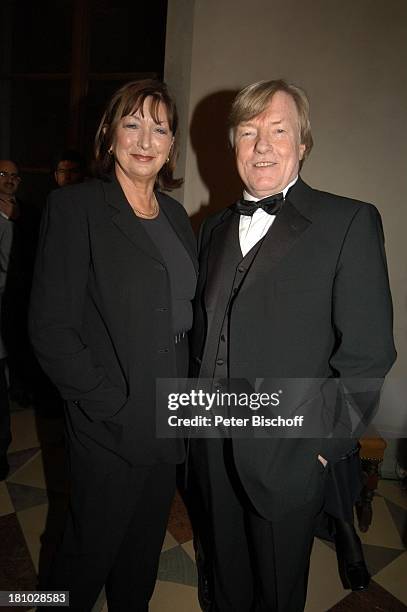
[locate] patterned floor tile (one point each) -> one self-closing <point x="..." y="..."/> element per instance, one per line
<point x="169" y="541"/>
<point x="375" y="599"/>
<point x="394" y="578"/>
<point x="24" y="496"/>
<point x="33" y="522"/>
<point x="382" y="531"/>
<point x="392" y="490"/>
<point x="179" y="525"/>
<point x="172" y="597"/>
<point x="177" y="566"/>
<point x="19" y="458"/>
<point x="31" y="474"/>
<point x="6" y="505"/>
<point x="24" y="429"/>
<point x="399" y="516"/>
<point x="323" y="593"/>
<point x="17" y="571"/>
<point x="43" y="527"/>
<point x="189" y="549"/>
<point x="377" y="557"/>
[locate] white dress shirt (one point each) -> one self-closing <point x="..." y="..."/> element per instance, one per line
<point x="252" y="229"/>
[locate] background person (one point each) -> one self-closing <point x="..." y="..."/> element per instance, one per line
<point x="6" y="237"/>
<point x="23" y="367"/>
<point x="293" y="284"/>
<point x="9" y="182"/>
<point x="69" y="168"/>
<point x="111" y="305"/>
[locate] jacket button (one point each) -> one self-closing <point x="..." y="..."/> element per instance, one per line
<point x="241" y="269"/>
<point x="219" y="362"/>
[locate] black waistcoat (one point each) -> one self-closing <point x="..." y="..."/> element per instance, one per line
<point x="231" y="271"/>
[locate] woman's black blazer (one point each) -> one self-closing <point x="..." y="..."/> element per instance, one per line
<point x="100" y="318"/>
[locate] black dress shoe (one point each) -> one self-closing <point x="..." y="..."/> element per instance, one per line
<point x="4" y="467"/>
<point x="355" y="576"/>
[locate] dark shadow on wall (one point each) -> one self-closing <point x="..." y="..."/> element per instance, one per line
<point x="215" y="158"/>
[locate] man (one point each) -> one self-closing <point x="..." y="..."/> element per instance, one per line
<point x="24" y="219"/>
<point x="6" y="236"/>
<point x="8" y="184"/>
<point x="68" y="168"/>
<point x="291" y="286"/>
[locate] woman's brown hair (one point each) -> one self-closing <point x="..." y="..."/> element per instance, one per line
<point x="126" y="101"/>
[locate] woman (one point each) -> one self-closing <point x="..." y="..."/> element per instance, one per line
<point x="115" y="274"/>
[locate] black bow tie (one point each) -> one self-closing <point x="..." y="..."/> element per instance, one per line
<point x="271" y="205"/>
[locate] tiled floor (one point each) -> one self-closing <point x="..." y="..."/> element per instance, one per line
<point x="33" y="498"/>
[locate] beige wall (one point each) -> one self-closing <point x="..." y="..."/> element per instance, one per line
<point x="349" y="56"/>
<point x="178" y="61"/>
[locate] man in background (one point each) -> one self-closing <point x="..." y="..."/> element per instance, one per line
<point x="8" y="184"/>
<point x="68" y="168"/>
<point x="23" y="367"/>
<point x="6" y="236"/>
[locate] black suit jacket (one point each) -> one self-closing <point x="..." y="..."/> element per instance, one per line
<point x="100" y="317"/>
<point x="314" y="304"/>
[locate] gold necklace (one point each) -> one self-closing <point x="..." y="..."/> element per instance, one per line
<point x="151" y="215"/>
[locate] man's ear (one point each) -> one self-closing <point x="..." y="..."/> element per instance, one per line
<point x="301" y="151"/>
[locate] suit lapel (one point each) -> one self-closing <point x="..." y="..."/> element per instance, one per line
<point x="223" y="245"/>
<point x="286" y="230"/>
<point x="126" y="221"/>
<point x="288" y="227"/>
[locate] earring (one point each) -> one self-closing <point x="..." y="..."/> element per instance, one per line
<point x="167" y="160"/>
<point x="110" y="151"/>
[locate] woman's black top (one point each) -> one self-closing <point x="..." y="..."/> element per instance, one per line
<point x="180" y="269"/>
